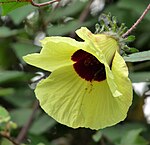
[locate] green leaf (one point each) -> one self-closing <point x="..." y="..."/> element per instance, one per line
<point x="22" y="97"/>
<point x="6" y="32"/>
<point x="20" y="116"/>
<point x="139" y="76"/>
<point x="70" y="10"/>
<point x="7" y="57"/>
<point x="38" y="139"/>
<point x="4" y="115"/>
<point x="7" y="7"/>
<point x="115" y="133"/>
<point x="71" y="26"/>
<point x="6" y="91"/>
<point x="42" y="124"/>
<point x="10" y="76"/>
<point x="63" y="29"/>
<point x="40" y="144"/>
<point x="128" y="4"/>
<point x="133" y="138"/>
<point x="19" y="14"/>
<point x="6" y="142"/>
<point x="21" y="49"/>
<point x="143" y="38"/>
<point x="136" y="57"/>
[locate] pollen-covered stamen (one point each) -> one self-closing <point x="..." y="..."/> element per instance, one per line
<point x="88" y="67"/>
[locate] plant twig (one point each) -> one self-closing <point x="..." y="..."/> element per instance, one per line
<point x="32" y="2"/>
<point x="43" y="4"/>
<point x="137" y="22"/>
<point x="9" y="138"/>
<point x="26" y="127"/>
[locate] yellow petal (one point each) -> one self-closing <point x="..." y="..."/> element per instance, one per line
<point x="124" y="85"/>
<point x="78" y="103"/>
<point x="56" y="52"/>
<point x="103" y="47"/>
<point x="72" y="100"/>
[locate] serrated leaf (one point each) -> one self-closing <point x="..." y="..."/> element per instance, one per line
<point x="4" y="115"/>
<point x="136" y="57"/>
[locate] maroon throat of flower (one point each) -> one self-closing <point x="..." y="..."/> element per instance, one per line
<point x="88" y="66"/>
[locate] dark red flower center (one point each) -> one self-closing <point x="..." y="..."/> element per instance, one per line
<point x="88" y="66"/>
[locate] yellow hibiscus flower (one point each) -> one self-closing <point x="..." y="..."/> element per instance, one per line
<point x="89" y="85"/>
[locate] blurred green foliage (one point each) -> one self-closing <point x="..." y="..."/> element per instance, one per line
<point x="19" y="31"/>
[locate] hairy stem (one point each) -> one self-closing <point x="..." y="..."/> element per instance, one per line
<point x="137" y="22"/>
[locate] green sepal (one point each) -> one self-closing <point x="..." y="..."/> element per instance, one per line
<point x="109" y="25"/>
<point x="133" y="50"/>
<point x="127" y="49"/>
<point x="130" y="38"/>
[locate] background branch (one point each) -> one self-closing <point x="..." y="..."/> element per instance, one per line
<point x="26" y="127"/>
<point x="83" y="16"/>
<point x="5" y="135"/>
